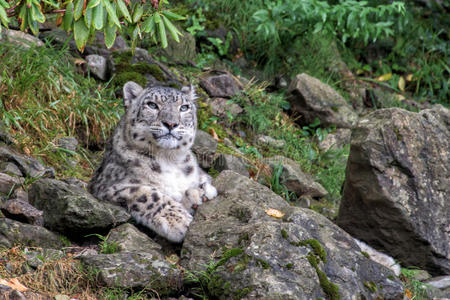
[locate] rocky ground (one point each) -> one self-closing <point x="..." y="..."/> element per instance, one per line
<point x="249" y="242"/>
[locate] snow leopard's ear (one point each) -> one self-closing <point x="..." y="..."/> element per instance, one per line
<point x="189" y="91"/>
<point x="131" y="90"/>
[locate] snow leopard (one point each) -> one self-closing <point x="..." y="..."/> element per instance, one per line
<point x="148" y="166"/>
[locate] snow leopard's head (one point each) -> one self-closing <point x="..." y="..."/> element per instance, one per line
<point x="161" y="116"/>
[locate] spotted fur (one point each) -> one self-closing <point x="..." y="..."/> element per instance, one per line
<point x="148" y="166"/>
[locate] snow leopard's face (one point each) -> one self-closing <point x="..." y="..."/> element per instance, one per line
<point x="160" y="116"/>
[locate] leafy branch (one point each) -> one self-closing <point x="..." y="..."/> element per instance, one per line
<point x="85" y="17"/>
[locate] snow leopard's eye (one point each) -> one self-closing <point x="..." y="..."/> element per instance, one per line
<point x="184" y="107"/>
<point x="152" y="105"/>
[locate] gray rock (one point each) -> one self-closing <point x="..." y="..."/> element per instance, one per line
<point x="441" y="282"/>
<point x="131" y="270"/>
<point x="205" y="149"/>
<point x="257" y="256"/>
<point x="294" y="179"/>
<point x="36" y="258"/>
<point x="8" y="293"/>
<point x="396" y="189"/>
<point x="5" y="137"/>
<point x="130" y="239"/>
<point x="14" y="233"/>
<point x="10" y="169"/>
<point x="231" y="162"/>
<point x="69" y="143"/>
<point x="222" y="86"/>
<point x="270" y="141"/>
<point x="27" y="165"/>
<point x="22" y="211"/>
<point x="9" y="183"/>
<point x="72" y="210"/>
<point x="335" y="140"/>
<point x="313" y="99"/>
<point x="180" y="52"/>
<point x="20" y="38"/>
<point x="221" y="107"/>
<point x="98" y="66"/>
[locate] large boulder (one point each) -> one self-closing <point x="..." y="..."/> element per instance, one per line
<point x="294" y="179"/>
<point x="27" y="165"/>
<point x="204" y="147"/>
<point x="72" y="210"/>
<point x="221" y="85"/>
<point x="250" y="250"/>
<point x="129" y="239"/>
<point x="396" y="192"/>
<point x="313" y="99"/>
<point x="16" y="233"/>
<point x="131" y="270"/>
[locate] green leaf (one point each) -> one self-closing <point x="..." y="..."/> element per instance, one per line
<point x="124" y="10"/>
<point x="81" y="34"/>
<point x="88" y="17"/>
<point x="111" y="12"/>
<point x="261" y="15"/>
<point x="32" y="23"/>
<point x="68" y="17"/>
<point x="4" y="4"/>
<point x="110" y="35"/>
<point x="162" y="33"/>
<point x="138" y="13"/>
<point x="23" y="16"/>
<point x="98" y="17"/>
<point x="173" y="16"/>
<point x="4" y="16"/>
<point x="174" y="32"/>
<point x="37" y="14"/>
<point x="149" y="25"/>
<point x="93" y="3"/>
<point x="78" y="10"/>
<point x="157" y="17"/>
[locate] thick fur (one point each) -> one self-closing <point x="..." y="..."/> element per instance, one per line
<point x="148" y="166"/>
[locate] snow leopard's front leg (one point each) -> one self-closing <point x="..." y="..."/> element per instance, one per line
<point x="151" y="208"/>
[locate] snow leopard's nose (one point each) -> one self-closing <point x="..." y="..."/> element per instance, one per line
<point x="170" y="125"/>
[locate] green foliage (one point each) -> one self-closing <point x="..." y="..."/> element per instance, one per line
<point x="43" y="98"/>
<point x="417" y="288"/>
<point x="105" y="246"/>
<point x="269" y="29"/>
<point x="85" y="17"/>
<point x="207" y="284"/>
<point x="277" y="186"/>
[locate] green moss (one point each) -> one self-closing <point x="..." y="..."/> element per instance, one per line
<point x="239" y="294"/>
<point x="289" y="266"/>
<point x="123" y="78"/>
<point x="264" y="264"/>
<point x="284" y="234"/>
<point x="227" y="255"/>
<point x="398" y="134"/>
<point x="327" y="286"/>
<point x="367" y="255"/>
<point x="213" y="172"/>
<point x="122" y="57"/>
<point x="152" y="69"/>
<point x="371" y="286"/>
<point x="316" y="247"/>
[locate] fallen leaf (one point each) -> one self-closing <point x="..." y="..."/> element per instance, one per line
<point x="399" y="97"/>
<point x="79" y="61"/>
<point x="14" y="284"/>
<point x="274" y="213"/>
<point x="173" y="259"/>
<point x="384" y="77"/>
<point x="408" y="294"/>
<point x="401" y="83"/>
<point x="213" y="133"/>
<point x="410" y="77"/>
